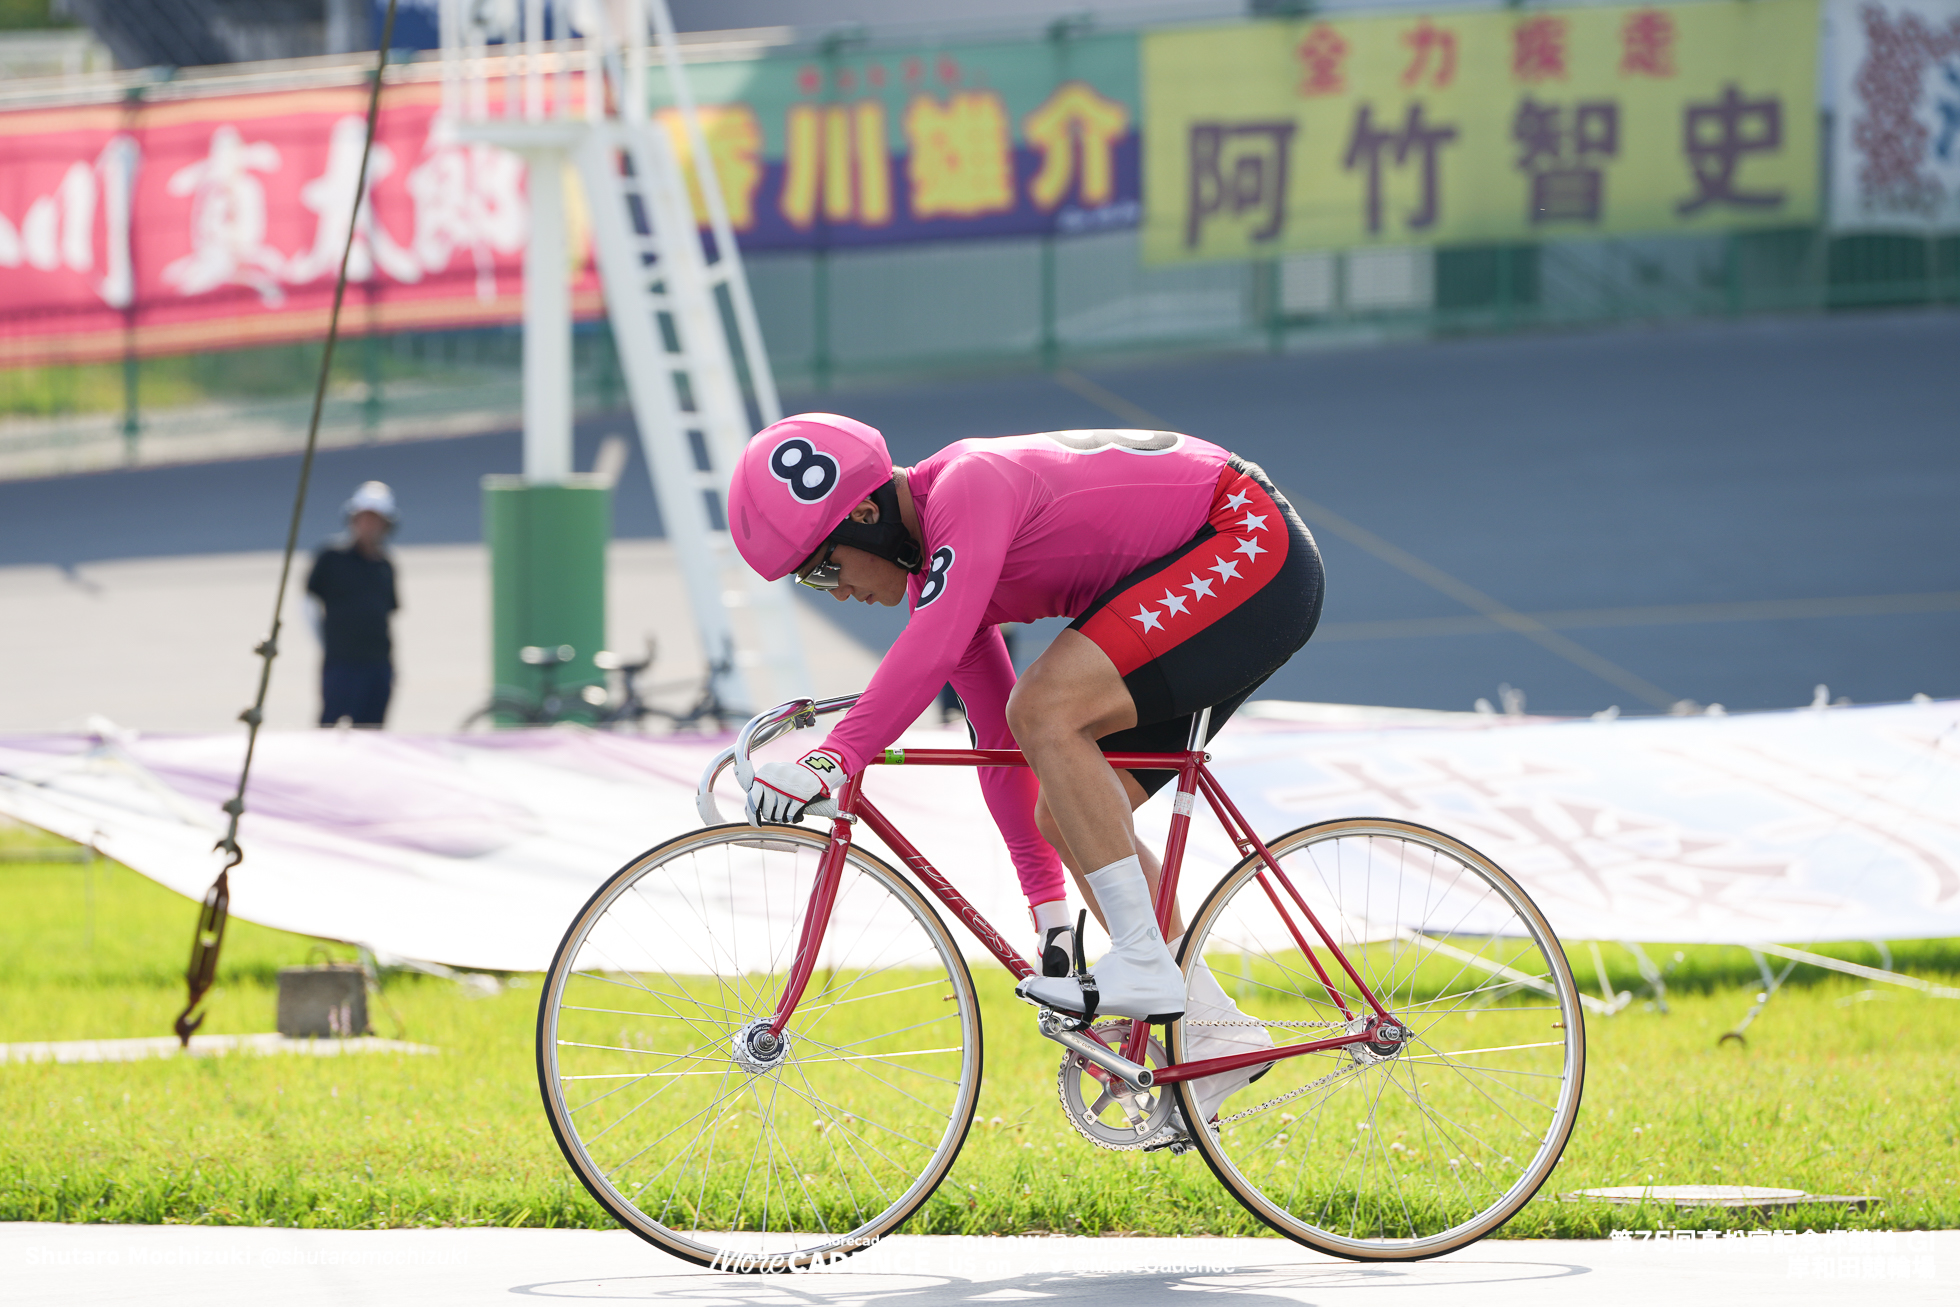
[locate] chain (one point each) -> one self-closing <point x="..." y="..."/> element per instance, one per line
<point x="216" y="909"/>
<point x="1291" y="1094"/>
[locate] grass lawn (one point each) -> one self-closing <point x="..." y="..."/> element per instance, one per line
<point x="1843" y="1088"/>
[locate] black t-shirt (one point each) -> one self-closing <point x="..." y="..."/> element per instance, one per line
<point x="358" y="593"/>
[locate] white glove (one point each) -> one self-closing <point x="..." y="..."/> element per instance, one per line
<point x="781" y="790"/>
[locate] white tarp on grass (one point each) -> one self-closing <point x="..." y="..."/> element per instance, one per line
<point x="477" y="850"/>
<point x="468" y="850"/>
<point x="1775" y="827"/>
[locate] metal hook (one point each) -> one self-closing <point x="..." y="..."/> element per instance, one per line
<point x="202" y="972"/>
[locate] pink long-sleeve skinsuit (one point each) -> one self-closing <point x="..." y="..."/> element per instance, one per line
<point x="1018" y="528"/>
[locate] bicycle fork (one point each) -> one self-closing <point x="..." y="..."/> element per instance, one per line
<point x="823" y="896"/>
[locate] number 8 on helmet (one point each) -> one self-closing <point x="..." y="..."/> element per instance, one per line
<point x="795" y="486"/>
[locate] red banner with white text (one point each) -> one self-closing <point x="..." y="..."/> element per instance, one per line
<point x="216" y="223"/>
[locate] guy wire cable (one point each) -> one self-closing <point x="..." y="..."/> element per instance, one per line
<point x="216" y="910"/>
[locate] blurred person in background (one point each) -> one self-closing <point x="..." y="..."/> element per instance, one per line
<point x="352" y="586"/>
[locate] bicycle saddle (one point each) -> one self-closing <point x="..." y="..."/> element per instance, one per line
<point x="546" y="655"/>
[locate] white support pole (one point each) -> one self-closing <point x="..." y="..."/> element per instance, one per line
<point x="547" y="324"/>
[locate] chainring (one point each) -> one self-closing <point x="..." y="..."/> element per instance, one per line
<point x="1104" y="1110"/>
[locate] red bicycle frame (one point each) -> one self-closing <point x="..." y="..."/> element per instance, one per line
<point x="1193" y="778"/>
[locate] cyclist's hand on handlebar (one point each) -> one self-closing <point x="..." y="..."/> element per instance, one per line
<point x="782" y="790"/>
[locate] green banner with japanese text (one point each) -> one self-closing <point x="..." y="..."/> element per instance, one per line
<point x="1479" y="127"/>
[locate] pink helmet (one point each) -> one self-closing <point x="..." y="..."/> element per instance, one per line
<point x="796" y="481"/>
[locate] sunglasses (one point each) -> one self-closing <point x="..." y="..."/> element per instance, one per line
<point x="822" y="574"/>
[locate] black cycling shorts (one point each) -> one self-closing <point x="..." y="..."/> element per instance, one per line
<point x="1206" y="624"/>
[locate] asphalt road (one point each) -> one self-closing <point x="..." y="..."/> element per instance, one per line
<point x="1728" y="512"/>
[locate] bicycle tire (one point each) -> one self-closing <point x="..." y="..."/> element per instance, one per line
<point x="1452" y="945"/>
<point x="723" y="908"/>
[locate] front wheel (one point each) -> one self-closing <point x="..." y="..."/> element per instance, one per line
<point x="694" y="1127"/>
<point x="1406" y="1147"/>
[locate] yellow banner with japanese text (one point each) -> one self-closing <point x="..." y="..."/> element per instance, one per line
<point x="1478" y="127"/>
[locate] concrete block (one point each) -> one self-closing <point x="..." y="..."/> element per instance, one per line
<point x="323" y="1001"/>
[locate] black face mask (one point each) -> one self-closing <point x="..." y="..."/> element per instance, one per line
<point x="887" y="537"/>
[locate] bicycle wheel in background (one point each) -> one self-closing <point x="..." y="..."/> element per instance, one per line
<point x="1391" y="1150"/>
<point x="500" y="712"/>
<point x="663" y="1088"/>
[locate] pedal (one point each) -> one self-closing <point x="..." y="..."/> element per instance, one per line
<point x="1176" y="1140"/>
<point x="1067" y="1021"/>
<point x="1051" y="1016"/>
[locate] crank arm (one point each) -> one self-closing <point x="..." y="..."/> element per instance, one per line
<point x="1054" y="1026"/>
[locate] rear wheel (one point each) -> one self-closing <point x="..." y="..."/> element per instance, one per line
<point x="1398" y="1149"/>
<point x="688" y="1121"/>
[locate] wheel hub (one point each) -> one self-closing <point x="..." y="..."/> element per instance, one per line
<point x="1386" y="1039"/>
<point x="757" y="1048"/>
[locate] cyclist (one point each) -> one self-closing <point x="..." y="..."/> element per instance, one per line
<point x="1190" y="581"/>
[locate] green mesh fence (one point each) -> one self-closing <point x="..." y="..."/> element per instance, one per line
<point x="922" y="310"/>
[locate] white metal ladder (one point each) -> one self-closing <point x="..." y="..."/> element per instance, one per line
<point x="673" y="311"/>
<point x="664" y="302"/>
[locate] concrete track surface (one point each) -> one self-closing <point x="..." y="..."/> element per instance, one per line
<point x="184" y="1266"/>
<point x="165" y="644"/>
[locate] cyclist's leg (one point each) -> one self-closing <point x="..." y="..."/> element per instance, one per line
<point x="1054" y="925"/>
<point x="1062" y="705"/>
<point x="1169" y="736"/>
<point x="1136" y="794"/>
<point x="1070" y="699"/>
<point x="1200" y="627"/>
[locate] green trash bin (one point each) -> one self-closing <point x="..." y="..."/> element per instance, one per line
<point x="547" y="586"/>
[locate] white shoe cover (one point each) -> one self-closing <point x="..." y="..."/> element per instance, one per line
<point x="1137" y="978"/>
<point x="1206" y="1001"/>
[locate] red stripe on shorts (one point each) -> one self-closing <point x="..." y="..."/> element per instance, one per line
<point x="1155" y="615"/>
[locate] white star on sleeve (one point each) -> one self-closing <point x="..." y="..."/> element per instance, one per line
<point x="1237" y="501"/>
<point x="1250" y="548"/>
<point x="1151" y="621"/>
<point x="1253" y="522"/>
<point x="1174" y="602"/>
<point x="1199" y="588"/>
<point x="1226" y="571"/>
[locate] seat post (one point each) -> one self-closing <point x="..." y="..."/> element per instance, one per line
<point x="1199" y="725"/>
